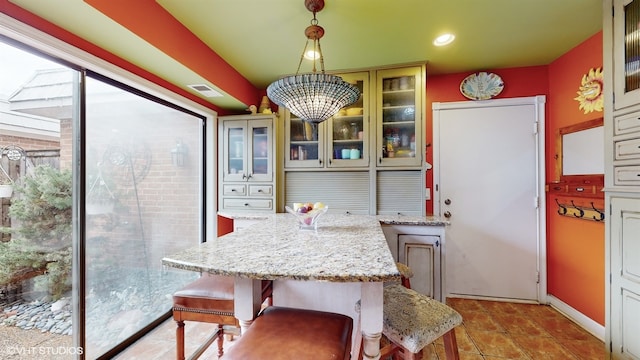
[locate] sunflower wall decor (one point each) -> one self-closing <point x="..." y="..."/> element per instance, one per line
<point x="590" y="92"/>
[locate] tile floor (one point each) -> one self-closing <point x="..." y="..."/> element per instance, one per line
<point x="490" y="331"/>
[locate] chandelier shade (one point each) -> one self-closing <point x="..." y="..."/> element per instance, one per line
<point x="313" y="97"/>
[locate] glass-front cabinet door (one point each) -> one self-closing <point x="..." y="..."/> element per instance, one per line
<point x="247" y="146"/>
<point x="235" y="148"/>
<point x="626" y="43"/>
<point x="305" y="143"/>
<point x="340" y="141"/>
<point x="260" y="164"/>
<point x="399" y="117"/>
<point x="348" y="130"/>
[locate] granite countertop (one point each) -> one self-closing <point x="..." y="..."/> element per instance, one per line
<point x="383" y="219"/>
<point x="344" y="249"/>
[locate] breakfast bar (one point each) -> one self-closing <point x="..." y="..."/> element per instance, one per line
<point x="345" y="260"/>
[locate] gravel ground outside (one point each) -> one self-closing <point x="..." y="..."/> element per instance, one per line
<point x="19" y="344"/>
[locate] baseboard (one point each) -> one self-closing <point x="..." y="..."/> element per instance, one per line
<point x="577" y="317"/>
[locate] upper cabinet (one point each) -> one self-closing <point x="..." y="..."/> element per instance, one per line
<point x="246" y="162"/>
<point x="399" y="116"/>
<point x="340" y="141"/>
<point x="387" y="124"/>
<point x="626" y="48"/>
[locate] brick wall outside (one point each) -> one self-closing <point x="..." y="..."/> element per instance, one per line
<point x="161" y="206"/>
<point x="157" y="201"/>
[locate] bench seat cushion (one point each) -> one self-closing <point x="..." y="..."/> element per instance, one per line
<point x="281" y="333"/>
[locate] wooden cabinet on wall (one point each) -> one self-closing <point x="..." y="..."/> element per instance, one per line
<point x="621" y="30"/>
<point x="246" y="163"/>
<point x="419" y="247"/>
<point x="369" y="158"/>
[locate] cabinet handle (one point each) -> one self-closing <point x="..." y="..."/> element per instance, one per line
<point x="233" y="190"/>
<point x="246" y="204"/>
<point x="244" y="176"/>
<point x="249" y="176"/>
<point x="379" y="160"/>
<point x="260" y="190"/>
<point x="320" y="161"/>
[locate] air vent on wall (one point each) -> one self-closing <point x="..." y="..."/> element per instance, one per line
<point x="205" y="90"/>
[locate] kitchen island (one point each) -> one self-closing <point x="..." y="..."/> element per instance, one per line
<point x="347" y="259"/>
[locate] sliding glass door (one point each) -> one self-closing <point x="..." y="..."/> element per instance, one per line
<point x="108" y="180"/>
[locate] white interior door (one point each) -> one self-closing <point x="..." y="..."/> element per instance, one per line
<point x="489" y="179"/>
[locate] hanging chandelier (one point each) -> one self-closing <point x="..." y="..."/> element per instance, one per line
<point x="313" y="97"/>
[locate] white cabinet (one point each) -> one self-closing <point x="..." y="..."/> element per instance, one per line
<point x="377" y="143"/>
<point x="621" y="30"/>
<point x="626" y="52"/>
<point x="339" y="142"/>
<point x="625" y="284"/>
<point x="246" y="163"/>
<point x="420" y="248"/>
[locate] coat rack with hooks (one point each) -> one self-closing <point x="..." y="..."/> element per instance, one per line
<point x="580" y="212"/>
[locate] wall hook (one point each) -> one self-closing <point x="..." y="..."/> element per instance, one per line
<point x="600" y="213"/>
<point x="562" y="209"/>
<point x="577" y="208"/>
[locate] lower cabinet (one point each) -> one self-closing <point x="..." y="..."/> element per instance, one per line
<point x="624" y="270"/>
<point x="419" y="247"/>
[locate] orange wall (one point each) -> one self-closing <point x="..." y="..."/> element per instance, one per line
<point x="575" y="248"/>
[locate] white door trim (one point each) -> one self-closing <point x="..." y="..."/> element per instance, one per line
<point x="539" y="103"/>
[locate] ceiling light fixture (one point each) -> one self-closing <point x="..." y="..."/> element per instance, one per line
<point x="444" y="39"/>
<point x="313" y="97"/>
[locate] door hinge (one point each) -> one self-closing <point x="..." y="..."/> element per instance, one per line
<point x="535" y="128"/>
<point x="537" y="277"/>
<point x="536" y="202"/>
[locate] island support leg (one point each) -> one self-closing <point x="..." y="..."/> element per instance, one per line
<point x="371" y="319"/>
<point x="247" y="301"/>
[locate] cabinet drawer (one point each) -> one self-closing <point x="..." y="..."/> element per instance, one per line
<point x="234" y="190"/>
<point x="625" y="124"/>
<point x="626" y="175"/>
<point x="627" y="149"/>
<point x="260" y="190"/>
<point x="255" y="204"/>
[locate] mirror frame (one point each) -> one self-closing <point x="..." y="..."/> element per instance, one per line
<point x="559" y="147"/>
<point x="574" y="182"/>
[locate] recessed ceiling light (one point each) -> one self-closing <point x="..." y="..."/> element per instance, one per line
<point x="444" y="39"/>
<point x="311" y="55"/>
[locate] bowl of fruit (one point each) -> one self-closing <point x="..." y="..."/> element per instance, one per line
<point x="307" y="214"/>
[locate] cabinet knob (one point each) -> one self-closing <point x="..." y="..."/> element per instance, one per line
<point x="447" y="202"/>
<point x="447" y="214"/>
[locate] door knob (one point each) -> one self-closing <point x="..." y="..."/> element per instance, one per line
<point x="447" y="214"/>
<point x="447" y="202"/>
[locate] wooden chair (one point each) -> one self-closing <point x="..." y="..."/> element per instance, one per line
<point x="208" y="299"/>
<point x="281" y="333"/>
<point x="411" y="321"/>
